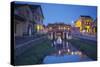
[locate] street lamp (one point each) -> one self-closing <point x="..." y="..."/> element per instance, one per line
<point x="72" y="23"/>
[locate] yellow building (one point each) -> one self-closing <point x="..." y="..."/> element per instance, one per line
<point x="78" y="24"/>
<point x="84" y="23"/>
<point x="39" y="27"/>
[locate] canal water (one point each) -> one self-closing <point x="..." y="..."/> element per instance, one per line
<point x="65" y="53"/>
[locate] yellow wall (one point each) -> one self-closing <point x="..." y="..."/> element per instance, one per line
<point x="88" y="28"/>
<point x="39" y="27"/>
<point x="82" y="26"/>
<point x="78" y="24"/>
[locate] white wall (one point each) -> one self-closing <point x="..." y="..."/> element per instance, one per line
<point x="5" y="33"/>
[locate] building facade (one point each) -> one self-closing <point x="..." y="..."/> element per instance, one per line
<point x="94" y="27"/>
<point x="57" y="30"/>
<point x="38" y="18"/>
<point x="59" y="26"/>
<point x="84" y="23"/>
<point x="26" y="17"/>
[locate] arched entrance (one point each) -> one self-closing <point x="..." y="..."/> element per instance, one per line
<point x="53" y="35"/>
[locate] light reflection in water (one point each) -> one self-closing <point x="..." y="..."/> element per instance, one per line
<point x="66" y="48"/>
<point x="63" y="46"/>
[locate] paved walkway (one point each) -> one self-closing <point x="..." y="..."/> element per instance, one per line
<point x="29" y="41"/>
<point x="93" y="38"/>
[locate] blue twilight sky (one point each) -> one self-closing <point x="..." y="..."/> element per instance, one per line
<point x="64" y="13"/>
